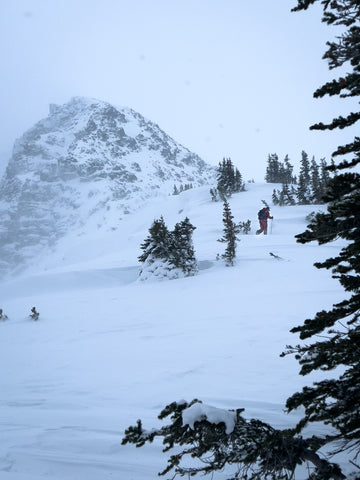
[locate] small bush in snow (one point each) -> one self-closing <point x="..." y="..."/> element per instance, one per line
<point x="245" y="227"/>
<point x="34" y="314"/>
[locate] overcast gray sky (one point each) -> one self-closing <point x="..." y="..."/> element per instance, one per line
<point x="223" y="77"/>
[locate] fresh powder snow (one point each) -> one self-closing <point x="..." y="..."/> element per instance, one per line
<point x="108" y="348"/>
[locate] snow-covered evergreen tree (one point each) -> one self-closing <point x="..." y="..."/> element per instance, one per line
<point x="182" y="253"/>
<point x="168" y="254"/>
<point x="288" y="176"/>
<point x="156" y="245"/>
<point x="156" y="251"/>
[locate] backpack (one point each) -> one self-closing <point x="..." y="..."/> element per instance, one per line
<point x="261" y="214"/>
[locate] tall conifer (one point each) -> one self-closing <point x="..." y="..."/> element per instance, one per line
<point x="156" y="244"/>
<point x="316" y="191"/>
<point x="231" y="229"/>
<point x="303" y="189"/>
<point x="182" y="253"/>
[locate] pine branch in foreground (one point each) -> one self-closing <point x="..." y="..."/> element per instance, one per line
<point x="207" y="440"/>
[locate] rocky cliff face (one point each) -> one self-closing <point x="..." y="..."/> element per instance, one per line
<point x="84" y="160"/>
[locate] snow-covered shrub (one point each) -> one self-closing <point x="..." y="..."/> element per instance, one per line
<point x="34" y="314"/>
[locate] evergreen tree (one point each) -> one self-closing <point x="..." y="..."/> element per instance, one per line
<point x="222" y="180"/>
<point x="279" y="172"/>
<point x="229" y="179"/>
<point x="272" y="169"/>
<point x="156" y="251"/>
<point x="289" y="178"/>
<point x="156" y="245"/>
<point x="230" y="176"/>
<point x="168" y="254"/>
<point x="311" y="187"/>
<point x="239" y="185"/>
<point x="281" y="200"/>
<point x="275" y="197"/>
<point x="316" y="191"/>
<point x="303" y="190"/>
<point x="288" y="196"/>
<point x="285" y="196"/>
<point x="256" y="450"/>
<point x="182" y="254"/>
<point x="231" y="229"/>
<point x="324" y="177"/>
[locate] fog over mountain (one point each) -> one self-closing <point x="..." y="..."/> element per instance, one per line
<point x="82" y="161"/>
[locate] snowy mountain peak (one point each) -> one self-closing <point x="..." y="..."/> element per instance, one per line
<point x="87" y="161"/>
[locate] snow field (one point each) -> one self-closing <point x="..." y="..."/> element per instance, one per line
<point x="108" y="348"/>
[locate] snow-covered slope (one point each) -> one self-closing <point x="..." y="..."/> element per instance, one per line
<point x="84" y="160"/>
<point x="108" y="349"/>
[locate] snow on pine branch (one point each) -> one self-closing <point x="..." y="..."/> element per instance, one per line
<point x="199" y="411"/>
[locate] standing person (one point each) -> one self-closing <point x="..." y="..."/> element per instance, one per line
<point x="263" y="216"/>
